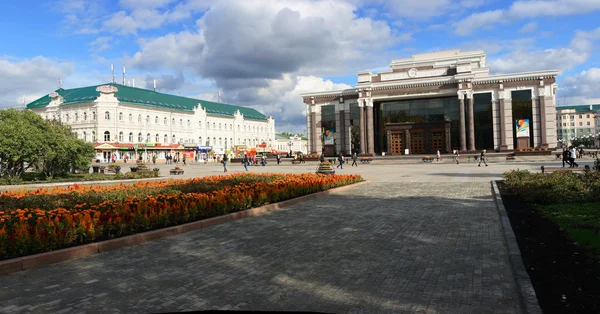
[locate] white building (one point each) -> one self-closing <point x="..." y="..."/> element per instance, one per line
<point x="294" y="143"/>
<point x="134" y="122"/>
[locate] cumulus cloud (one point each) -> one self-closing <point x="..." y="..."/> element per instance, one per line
<point x="100" y="44"/>
<point x="581" y="88"/>
<point x="165" y="83"/>
<point x="30" y="77"/>
<point x="529" y="27"/>
<point x="577" y="52"/>
<point x="525" y="9"/>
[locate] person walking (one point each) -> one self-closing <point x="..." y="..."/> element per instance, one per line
<point x="565" y="157"/>
<point x="482" y="158"/>
<point x="184" y="160"/>
<point x="456" y="156"/>
<point x="224" y="162"/>
<point x="322" y="158"/>
<point x="572" y="157"/>
<point x="278" y="159"/>
<point x="341" y="161"/>
<point x="354" y="158"/>
<point x="245" y="161"/>
<point x="439" y="156"/>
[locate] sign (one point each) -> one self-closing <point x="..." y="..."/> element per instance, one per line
<point x="262" y="145"/>
<point x="150" y="144"/>
<point x="328" y="137"/>
<point x="106" y="89"/>
<point x="522" y="126"/>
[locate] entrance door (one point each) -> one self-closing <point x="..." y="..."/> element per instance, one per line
<point x="397" y="143"/>
<point x="437" y="140"/>
<point x="417" y="142"/>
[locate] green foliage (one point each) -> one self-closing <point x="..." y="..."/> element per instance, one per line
<point x="585" y="141"/>
<point x="26" y="140"/>
<point x="560" y="187"/>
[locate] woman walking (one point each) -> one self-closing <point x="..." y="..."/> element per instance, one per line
<point x="224" y="163"/>
<point x="482" y="158"/>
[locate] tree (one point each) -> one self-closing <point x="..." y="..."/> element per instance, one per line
<point x="585" y="141"/>
<point x="355" y="137"/>
<point x="26" y="140"/>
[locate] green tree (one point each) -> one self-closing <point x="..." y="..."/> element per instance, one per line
<point x="22" y="141"/>
<point x="26" y="141"/>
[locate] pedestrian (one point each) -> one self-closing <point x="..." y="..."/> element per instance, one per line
<point x="456" y="156"/>
<point x="341" y="161"/>
<point x="278" y="159"/>
<point x="154" y="159"/>
<point x="482" y="158"/>
<point x="245" y="161"/>
<point x="572" y="157"/>
<point x="354" y="158"/>
<point x="439" y="156"/>
<point x="322" y="158"/>
<point x="565" y="157"/>
<point x="302" y="158"/>
<point x="184" y="160"/>
<point x="224" y="161"/>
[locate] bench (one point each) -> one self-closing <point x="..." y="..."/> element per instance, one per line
<point x="176" y="172"/>
<point x="551" y="170"/>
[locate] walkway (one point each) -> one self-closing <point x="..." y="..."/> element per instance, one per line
<point x="380" y="247"/>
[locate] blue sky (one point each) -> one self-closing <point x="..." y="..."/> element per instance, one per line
<point x="265" y="53"/>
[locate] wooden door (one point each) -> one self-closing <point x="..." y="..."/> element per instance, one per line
<point x="437" y="140"/>
<point x="417" y="142"/>
<point x="397" y="143"/>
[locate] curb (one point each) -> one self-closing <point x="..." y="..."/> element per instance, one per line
<point x="529" y="299"/>
<point x="36" y="260"/>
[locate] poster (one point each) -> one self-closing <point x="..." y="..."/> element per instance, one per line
<point x="329" y="137"/>
<point x="522" y="127"/>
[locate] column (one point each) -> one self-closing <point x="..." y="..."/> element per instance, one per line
<point x="370" y="126"/>
<point x="502" y="136"/>
<point x="347" y="131"/>
<point x="313" y="127"/>
<point x="309" y="130"/>
<point x="339" y="129"/>
<point x="363" y="141"/>
<point x="542" y="104"/>
<point x="471" y="121"/>
<point x="508" y="121"/>
<point x="318" y="131"/>
<point x="461" y="119"/>
<point x="535" y="119"/>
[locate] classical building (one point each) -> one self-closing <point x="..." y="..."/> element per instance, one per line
<point x="577" y="121"/>
<point x="435" y="101"/>
<point x="294" y="143"/>
<point x="128" y="121"/>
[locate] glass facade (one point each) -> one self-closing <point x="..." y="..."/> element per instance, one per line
<point x="416" y="110"/>
<point x="521" y="109"/>
<point x="483" y="121"/>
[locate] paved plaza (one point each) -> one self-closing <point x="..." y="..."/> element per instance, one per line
<point x="419" y="238"/>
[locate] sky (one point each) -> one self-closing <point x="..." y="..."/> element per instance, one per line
<point x="265" y="53"/>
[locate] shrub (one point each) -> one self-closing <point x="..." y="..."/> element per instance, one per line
<point x="554" y="188"/>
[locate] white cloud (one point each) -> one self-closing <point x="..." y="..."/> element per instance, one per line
<point x="30" y="77"/>
<point x="520" y="59"/>
<point x="582" y="88"/>
<point x="525" y="9"/>
<point x="529" y="27"/>
<point x="152" y="4"/>
<point x="100" y="44"/>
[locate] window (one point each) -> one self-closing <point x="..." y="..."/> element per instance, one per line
<point x="580" y="123"/>
<point x="200" y="124"/>
<point x="130" y="117"/>
<point x="238" y="127"/>
<point x="120" y="116"/>
<point x="214" y="125"/>
<point x="76" y="116"/>
<point x="580" y="116"/>
<point x="230" y="126"/>
<point x="173" y="121"/>
<point x="189" y="123"/>
<point x="588" y="123"/>
<point x="173" y="141"/>
<point x="140" y="139"/>
<point x="180" y="140"/>
<point x="220" y="141"/>
<point x="94" y="115"/>
<point x="166" y="138"/>
<point x="148" y="138"/>
<point x="200" y="141"/>
<point x="120" y="136"/>
<point x="156" y="120"/>
<point x="107" y="115"/>
<point x="67" y="117"/>
<point x="564" y="124"/>
<point x="572" y="123"/>
<point x="139" y="118"/>
<point x="157" y="137"/>
<point x="130" y="137"/>
<point x="85" y="138"/>
<point x="148" y="119"/>
<point x="572" y="117"/>
<point x="214" y="141"/>
<point x="165" y="120"/>
<point x="181" y="122"/>
<point x="94" y="137"/>
<point x="208" y="141"/>
<point x="219" y="126"/>
<point x="588" y="116"/>
<point x="226" y="142"/>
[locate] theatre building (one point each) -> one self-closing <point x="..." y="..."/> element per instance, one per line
<point x="435" y="101"/>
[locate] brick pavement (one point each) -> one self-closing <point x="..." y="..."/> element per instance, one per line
<point x="388" y="246"/>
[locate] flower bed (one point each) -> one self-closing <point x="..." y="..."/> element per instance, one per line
<point x="155" y="205"/>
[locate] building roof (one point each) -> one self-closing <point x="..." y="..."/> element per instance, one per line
<point x="147" y="98"/>
<point x="579" y="108"/>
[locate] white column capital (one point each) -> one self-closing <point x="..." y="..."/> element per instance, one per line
<point x="541" y="91"/>
<point x="469" y="94"/>
<point x="369" y="102"/>
<point x="500" y="94"/>
<point x="361" y="102"/>
<point x="461" y="94"/>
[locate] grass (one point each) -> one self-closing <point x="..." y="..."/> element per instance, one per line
<point x="580" y="221"/>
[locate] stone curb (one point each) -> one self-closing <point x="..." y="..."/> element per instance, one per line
<point x="36" y="260"/>
<point x="527" y="293"/>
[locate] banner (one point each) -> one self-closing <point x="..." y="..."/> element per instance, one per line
<point x="329" y="137"/>
<point x="522" y="126"/>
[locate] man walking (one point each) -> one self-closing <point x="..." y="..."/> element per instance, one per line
<point x="245" y="161"/>
<point x="482" y="158"/>
<point x="565" y="157"/>
<point x="572" y="157"/>
<point x="354" y="157"/>
<point x="224" y="162"/>
<point x="341" y="161"/>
